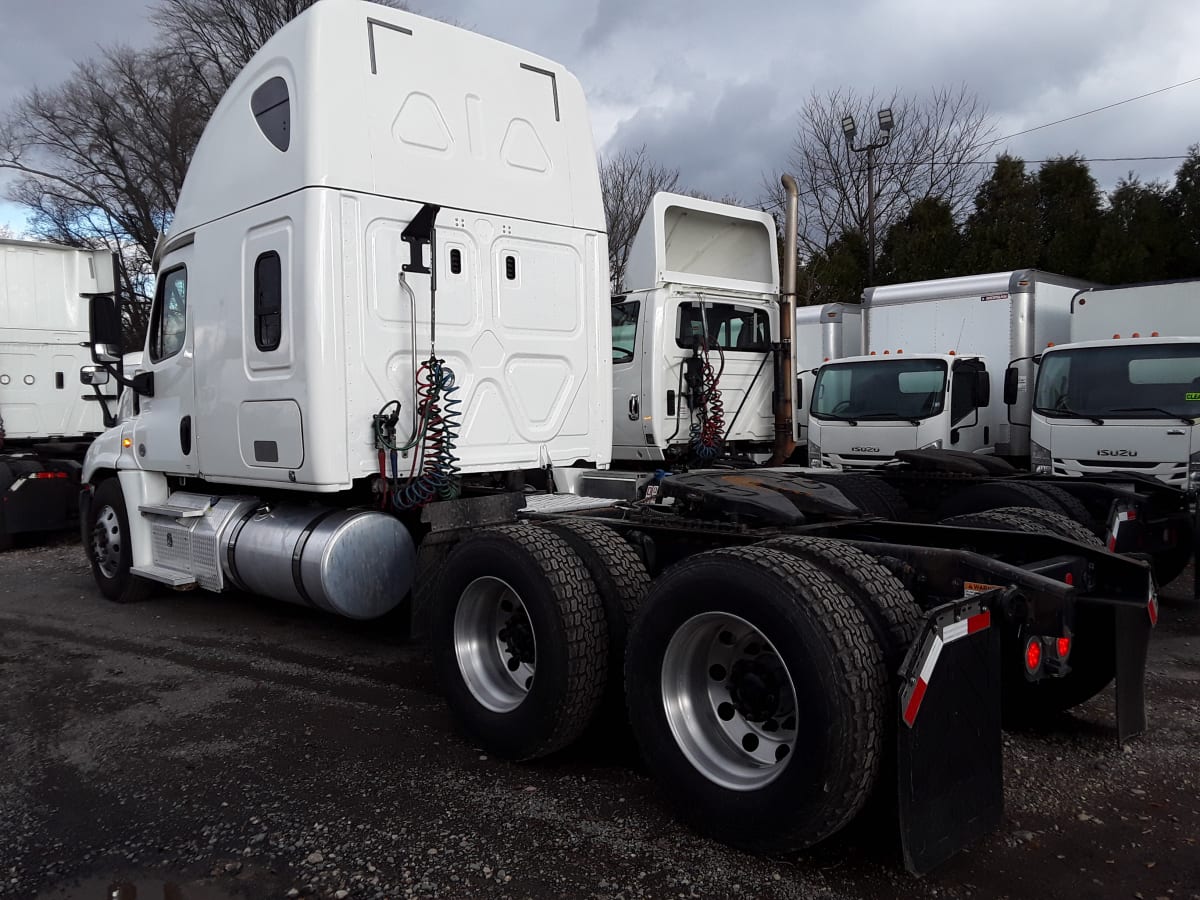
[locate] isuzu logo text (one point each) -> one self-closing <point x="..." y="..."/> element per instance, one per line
<point x="1116" y="453"/>
<point x="865" y="449"/>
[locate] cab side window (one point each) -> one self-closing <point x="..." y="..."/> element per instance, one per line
<point x="624" y="330"/>
<point x="168" y="322"/>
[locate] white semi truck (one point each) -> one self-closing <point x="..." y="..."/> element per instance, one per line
<point x="693" y="334"/>
<point x="46" y="419"/>
<point x="382" y="312"/>
<point x="932" y="352"/>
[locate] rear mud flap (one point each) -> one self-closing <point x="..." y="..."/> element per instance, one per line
<point x="1133" y="643"/>
<point x="950" y="778"/>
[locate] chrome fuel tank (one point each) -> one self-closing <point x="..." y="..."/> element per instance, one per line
<point x="357" y="564"/>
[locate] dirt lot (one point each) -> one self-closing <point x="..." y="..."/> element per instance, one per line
<point x="241" y="748"/>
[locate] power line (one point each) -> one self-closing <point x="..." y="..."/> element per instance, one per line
<point x="1161" y="90"/>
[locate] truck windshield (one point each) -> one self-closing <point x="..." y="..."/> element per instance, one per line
<point x="880" y="390"/>
<point x="1127" y="382"/>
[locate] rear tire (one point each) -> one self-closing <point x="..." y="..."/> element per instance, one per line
<point x="890" y="609"/>
<point x="621" y="579"/>
<point x="872" y="495"/>
<point x="1073" y="508"/>
<point x="108" y="547"/>
<point x="996" y="495"/>
<point x="1093" y="650"/>
<point x="804" y="687"/>
<point x="519" y="640"/>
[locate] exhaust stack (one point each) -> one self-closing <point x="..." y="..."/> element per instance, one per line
<point x="785" y="363"/>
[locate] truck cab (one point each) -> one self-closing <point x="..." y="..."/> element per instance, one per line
<point x="692" y="334"/>
<point x="1126" y="405"/>
<point x="864" y="409"/>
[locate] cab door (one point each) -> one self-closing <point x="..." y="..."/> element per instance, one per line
<point x="628" y="333"/>
<point x="164" y="432"/>
<point x="971" y="425"/>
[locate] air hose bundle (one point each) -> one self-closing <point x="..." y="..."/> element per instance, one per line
<point x="708" y="410"/>
<point x="433" y="473"/>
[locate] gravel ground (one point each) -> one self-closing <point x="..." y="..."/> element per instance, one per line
<point x="235" y="747"/>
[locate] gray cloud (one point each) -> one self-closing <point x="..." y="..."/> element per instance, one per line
<point x="714" y="89"/>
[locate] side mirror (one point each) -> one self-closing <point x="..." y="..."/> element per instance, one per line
<point x="983" y="388"/>
<point x="104" y="327"/>
<point x="954" y="436"/>
<point x="1010" y="386"/>
<point x="93" y="376"/>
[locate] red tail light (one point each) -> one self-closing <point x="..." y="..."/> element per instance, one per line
<point x="1063" y="647"/>
<point x="48" y="475"/>
<point x="1033" y="655"/>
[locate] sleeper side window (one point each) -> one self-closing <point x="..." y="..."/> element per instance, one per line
<point x="268" y="301"/>
<point x="272" y="108"/>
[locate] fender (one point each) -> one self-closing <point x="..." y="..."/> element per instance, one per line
<point x="107" y="452"/>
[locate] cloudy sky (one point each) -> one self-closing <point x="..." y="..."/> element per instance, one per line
<point x="714" y="88"/>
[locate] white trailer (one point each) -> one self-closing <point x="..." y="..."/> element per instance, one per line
<point x="693" y="334"/>
<point x="824" y="333"/>
<point x="933" y="350"/>
<point x="1124" y="394"/>
<point x="383" y="305"/>
<point x="46" y="418"/>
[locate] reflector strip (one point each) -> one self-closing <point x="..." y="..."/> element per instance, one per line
<point x="945" y="635"/>
<point x="48" y="475"/>
<point x="1122" y="516"/>
<point x="914" y="702"/>
<point x="931" y="658"/>
<point x="1152" y="608"/>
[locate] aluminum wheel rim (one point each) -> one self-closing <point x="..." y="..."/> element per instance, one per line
<point x="730" y="701"/>
<point x="106" y="542"/>
<point x="495" y="644"/>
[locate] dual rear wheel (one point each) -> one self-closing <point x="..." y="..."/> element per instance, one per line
<point x="756" y="678"/>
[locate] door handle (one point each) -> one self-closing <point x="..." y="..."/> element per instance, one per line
<point x="635" y="408"/>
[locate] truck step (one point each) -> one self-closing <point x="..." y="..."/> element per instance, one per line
<point x="179" y="506"/>
<point x="564" y="503"/>
<point x="612" y="485"/>
<point x="165" y="576"/>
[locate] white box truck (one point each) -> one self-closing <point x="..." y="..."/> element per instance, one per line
<point x="383" y="305"/>
<point x="46" y="418"/>
<point x="824" y="333"/>
<point x="933" y="352"/>
<point x="1124" y="394"/>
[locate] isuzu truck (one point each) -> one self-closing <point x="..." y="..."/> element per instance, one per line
<point x="935" y="355"/>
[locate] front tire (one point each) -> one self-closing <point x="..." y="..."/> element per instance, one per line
<point x="756" y="693"/>
<point x="108" y="546"/>
<point x="519" y="640"/>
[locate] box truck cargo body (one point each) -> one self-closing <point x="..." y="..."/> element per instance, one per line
<point x="935" y="356"/>
<point x="824" y="333"/>
<point x="1124" y="394"/>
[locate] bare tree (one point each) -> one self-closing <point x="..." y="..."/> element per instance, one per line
<point x="101" y="158"/>
<point x="936" y="147"/>
<point x="216" y="38"/>
<point x="628" y="181"/>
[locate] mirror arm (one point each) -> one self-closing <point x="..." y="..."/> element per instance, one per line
<point x="109" y="417"/>
<point x="141" y="383"/>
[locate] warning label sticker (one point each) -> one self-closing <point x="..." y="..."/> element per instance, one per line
<point x="972" y="588"/>
<point x="986" y="297"/>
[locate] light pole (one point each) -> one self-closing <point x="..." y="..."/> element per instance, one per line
<point x="885" y="135"/>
